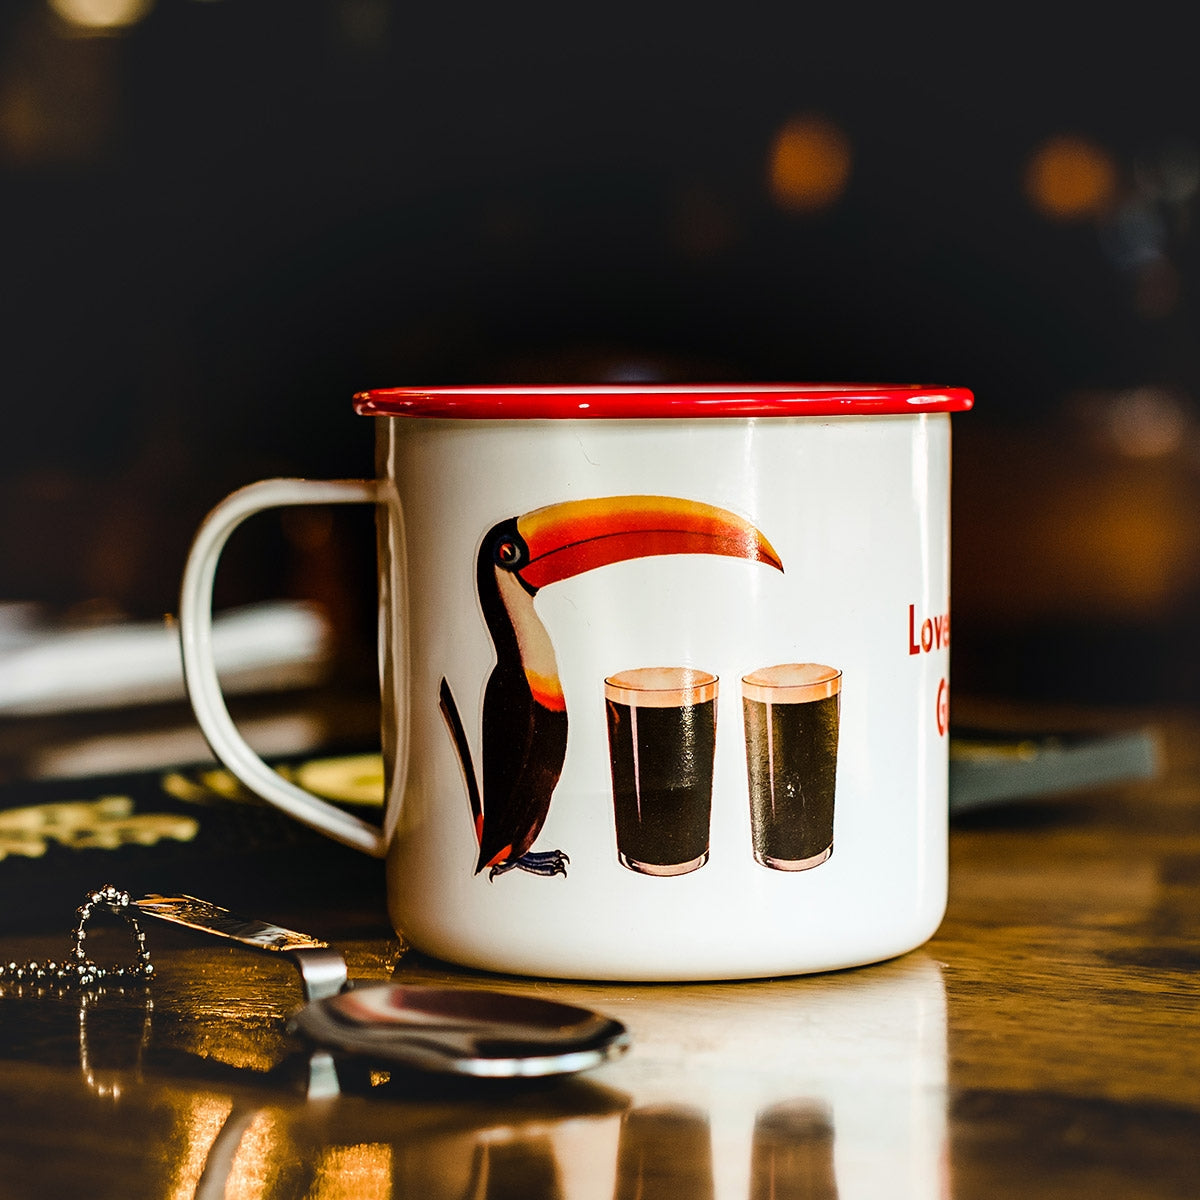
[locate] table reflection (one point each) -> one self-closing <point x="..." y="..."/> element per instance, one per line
<point x="801" y="1089"/>
<point x="821" y="1086"/>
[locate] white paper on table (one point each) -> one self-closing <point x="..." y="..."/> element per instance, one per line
<point x="47" y="669"/>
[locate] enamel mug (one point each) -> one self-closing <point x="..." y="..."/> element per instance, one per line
<point x="664" y="673"/>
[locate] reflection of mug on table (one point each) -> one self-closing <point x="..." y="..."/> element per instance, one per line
<point x="791" y="715"/>
<point x="665" y="1151"/>
<point x="792" y="1158"/>
<point x="662" y="726"/>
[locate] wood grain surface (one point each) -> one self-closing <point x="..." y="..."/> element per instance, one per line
<point x="1045" y="1043"/>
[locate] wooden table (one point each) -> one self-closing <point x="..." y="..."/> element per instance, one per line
<point x="1045" y="1043"/>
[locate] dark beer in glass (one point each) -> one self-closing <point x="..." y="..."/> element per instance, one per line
<point x="662" y="729"/>
<point x="791" y="716"/>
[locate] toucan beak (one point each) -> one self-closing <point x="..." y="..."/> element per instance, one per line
<point x="579" y="535"/>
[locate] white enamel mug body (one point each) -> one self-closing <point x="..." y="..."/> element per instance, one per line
<point x="664" y="671"/>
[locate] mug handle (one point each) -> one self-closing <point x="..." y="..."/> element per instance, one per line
<point x="200" y="672"/>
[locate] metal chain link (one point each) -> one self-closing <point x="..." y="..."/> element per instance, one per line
<point x="79" y="970"/>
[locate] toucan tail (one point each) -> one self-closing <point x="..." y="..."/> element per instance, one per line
<point x="463" y="749"/>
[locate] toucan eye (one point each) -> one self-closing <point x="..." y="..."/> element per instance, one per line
<point x="508" y="554"/>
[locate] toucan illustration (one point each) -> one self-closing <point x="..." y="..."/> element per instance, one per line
<point x="524" y="712"/>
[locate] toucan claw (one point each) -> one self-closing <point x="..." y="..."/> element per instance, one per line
<point x="543" y="862"/>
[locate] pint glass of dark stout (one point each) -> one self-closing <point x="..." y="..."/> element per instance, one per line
<point x="791" y="715"/>
<point x="662" y="730"/>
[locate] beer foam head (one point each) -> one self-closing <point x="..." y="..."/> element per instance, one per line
<point x="792" y="683"/>
<point x="661" y="687"/>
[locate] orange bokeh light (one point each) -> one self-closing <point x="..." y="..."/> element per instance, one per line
<point x="809" y="164"/>
<point x="1068" y="178"/>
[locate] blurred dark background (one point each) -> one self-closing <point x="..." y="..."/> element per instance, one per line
<point x="221" y="218"/>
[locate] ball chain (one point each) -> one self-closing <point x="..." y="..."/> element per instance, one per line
<point x="79" y="970"/>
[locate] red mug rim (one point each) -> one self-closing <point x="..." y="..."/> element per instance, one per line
<point x="648" y="401"/>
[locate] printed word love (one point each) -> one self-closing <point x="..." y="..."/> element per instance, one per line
<point x="932" y="634"/>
